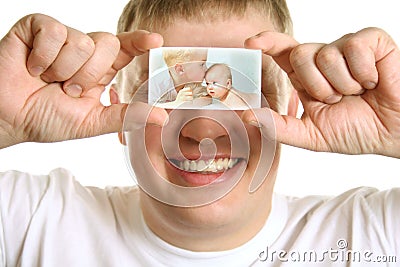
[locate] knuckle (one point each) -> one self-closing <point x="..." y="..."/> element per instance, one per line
<point x="109" y="38"/>
<point x="299" y="56"/>
<point x="354" y="49"/>
<point x="53" y="30"/>
<point x="346" y="36"/>
<point x="84" y="46"/>
<point x="33" y="17"/>
<point x="375" y="30"/>
<point x="327" y="58"/>
<point x="353" y="45"/>
<point x="110" y="42"/>
<point x="47" y="26"/>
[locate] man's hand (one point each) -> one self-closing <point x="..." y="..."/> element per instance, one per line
<point x="52" y="77"/>
<point x="350" y="91"/>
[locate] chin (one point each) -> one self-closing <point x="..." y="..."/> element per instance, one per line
<point x="238" y="204"/>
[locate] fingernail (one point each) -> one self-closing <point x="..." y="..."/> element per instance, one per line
<point x="146" y="31"/>
<point x="369" y="85"/>
<point x="265" y="132"/>
<point x="36" y="71"/>
<point x="254" y="37"/>
<point x="73" y="90"/>
<point x="254" y="123"/>
<point x="333" y="99"/>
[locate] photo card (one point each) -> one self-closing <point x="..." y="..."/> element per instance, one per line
<point x="204" y="78"/>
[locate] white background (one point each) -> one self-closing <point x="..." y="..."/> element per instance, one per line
<point x="100" y="161"/>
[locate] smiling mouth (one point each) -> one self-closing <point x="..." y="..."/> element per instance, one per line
<point x="205" y="166"/>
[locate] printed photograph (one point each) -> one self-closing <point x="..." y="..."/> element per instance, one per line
<point x="204" y="78"/>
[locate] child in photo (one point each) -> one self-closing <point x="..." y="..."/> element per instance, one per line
<point x="219" y="86"/>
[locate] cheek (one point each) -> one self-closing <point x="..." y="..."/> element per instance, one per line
<point x="255" y="146"/>
<point x="220" y="92"/>
<point x="153" y="144"/>
<point x="254" y="137"/>
<point x="217" y="92"/>
<point x="196" y="74"/>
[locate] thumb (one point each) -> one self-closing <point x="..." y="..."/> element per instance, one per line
<point x="140" y="114"/>
<point x="275" y="44"/>
<point x="111" y="119"/>
<point x="284" y="129"/>
<point x="273" y="126"/>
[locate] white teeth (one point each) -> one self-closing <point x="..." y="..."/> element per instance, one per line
<point x="193" y="166"/>
<point x="230" y="163"/>
<point x="225" y="163"/>
<point x="186" y="165"/>
<point x="220" y="164"/>
<point x="210" y="165"/>
<point x="201" y="165"/>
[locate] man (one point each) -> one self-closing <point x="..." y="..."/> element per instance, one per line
<point x="234" y="228"/>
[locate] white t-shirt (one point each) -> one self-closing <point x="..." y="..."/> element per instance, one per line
<point x="52" y="220"/>
<point x="161" y="87"/>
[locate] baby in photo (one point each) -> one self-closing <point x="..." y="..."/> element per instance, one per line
<point x="219" y="86"/>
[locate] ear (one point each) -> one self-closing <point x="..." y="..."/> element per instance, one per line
<point x="293" y="104"/>
<point x="114" y="99"/>
<point x="229" y="83"/>
<point x="179" y="69"/>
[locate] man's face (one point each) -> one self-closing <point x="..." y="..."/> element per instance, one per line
<point x="238" y="207"/>
<point x="195" y="70"/>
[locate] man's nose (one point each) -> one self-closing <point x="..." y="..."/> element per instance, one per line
<point x="201" y="128"/>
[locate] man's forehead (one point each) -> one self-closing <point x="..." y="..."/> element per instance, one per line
<point x="226" y="32"/>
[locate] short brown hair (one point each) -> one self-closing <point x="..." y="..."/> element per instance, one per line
<point x="154" y="14"/>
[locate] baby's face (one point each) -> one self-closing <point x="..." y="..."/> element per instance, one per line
<point x="217" y="84"/>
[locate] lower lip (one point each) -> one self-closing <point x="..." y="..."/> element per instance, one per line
<point x="193" y="179"/>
